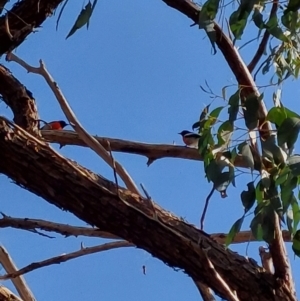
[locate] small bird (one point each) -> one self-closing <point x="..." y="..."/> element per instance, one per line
<point x="190" y="139"/>
<point x="54" y="125"/>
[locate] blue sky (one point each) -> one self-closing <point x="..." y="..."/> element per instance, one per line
<point x="135" y="74"/>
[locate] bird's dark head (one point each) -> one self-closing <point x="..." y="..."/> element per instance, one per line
<point x="182" y="133"/>
<point x="62" y="123"/>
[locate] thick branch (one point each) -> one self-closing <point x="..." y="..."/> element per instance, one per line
<point x="23" y="19"/>
<point x="19" y="282"/>
<point x="20" y="100"/>
<point x="7" y="295"/>
<point x="95" y="200"/>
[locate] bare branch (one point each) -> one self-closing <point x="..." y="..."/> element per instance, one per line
<point x="83" y="134"/>
<point x="280" y="259"/>
<point x="7" y="295"/>
<point x="205" y="291"/>
<point x="66" y="257"/>
<point x="266" y="260"/>
<point x="151" y="151"/>
<point x="68" y="230"/>
<point x="19" y="282"/>
<point x="63" y="229"/>
<point x="20" y="100"/>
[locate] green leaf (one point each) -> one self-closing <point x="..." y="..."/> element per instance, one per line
<point x="294" y="164"/>
<point x="296" y="243"/>
<point x="222" y="182"/>
<point x="296" y="214"/>
<point x="236" y="227"/>
<point x="272" y="151"/>
<point x="289" y="20"/>
<point x="216" y="112"/>
<point x="282" y="176"/>
<point x="293" y="6"/>
<point x="199" y="124"/>
<point x="213" y="170"/>
<point x="275" y="30"/>
<point x="248" y="197"/>
<point x="209" y="10"/>
<point x="278" y="114"/>
<point x="286" y="192"/>
<point x="234" y="106"/>
<point x="256" y="228"/>
<point x="257" y="18"/>
<point x="288" y="132"/>
<point x="245" y="151"/>
<point x="238" y="18"/>
<point x="251" y="109"/>
<point x="83" y="18"/>
<point x="259" y="192"/>
<point x="206" y="16"/>
<point x="224" y="133"/>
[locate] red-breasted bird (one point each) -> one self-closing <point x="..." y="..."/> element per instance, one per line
<point x="190" y="139"/>
<point x="54" y="125"/>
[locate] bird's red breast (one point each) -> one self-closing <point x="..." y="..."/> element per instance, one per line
<point x="54" y="125"/>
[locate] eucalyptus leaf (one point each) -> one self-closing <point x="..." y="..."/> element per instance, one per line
<point x="236" y="227"/>
<point x="248" y="197"/>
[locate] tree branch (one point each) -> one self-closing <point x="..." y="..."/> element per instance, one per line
<point x="63" y="229"/>
<point x="23" y="19"/>
<point x="264" y="41"/>
<point x="7" y="295"/>
<point x="151" y="151"/>
<point x="20" y="100"/>
<point x="19" y="282"/>
<point x="67" y="230"/>
<point x="83" y="134"/>
<point x="66" y="257"/>
<point x="205" y="292"/>
<point x="248" y="86"/>
<point x="94" y="200"/>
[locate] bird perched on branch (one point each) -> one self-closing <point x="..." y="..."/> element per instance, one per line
<point x="190" y="139"/>
<point x="54" y="125"/>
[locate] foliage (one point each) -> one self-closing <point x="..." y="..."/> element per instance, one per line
<point x="276" y="167"/>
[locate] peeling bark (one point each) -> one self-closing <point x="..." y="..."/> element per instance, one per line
<point x="23" y="19"/>
<point x="96" y="201"/>
<point x="20" y="100"/>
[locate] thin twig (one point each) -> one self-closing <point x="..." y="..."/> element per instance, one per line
<point x="205" y="208"/>
<point x="19" y="281"/>
<point x="83" y="134"/>
<point x="113" y="162"/>
<point x="65" y="257"/>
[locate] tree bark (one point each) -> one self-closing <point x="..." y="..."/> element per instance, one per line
<point x="98" y="202"/>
